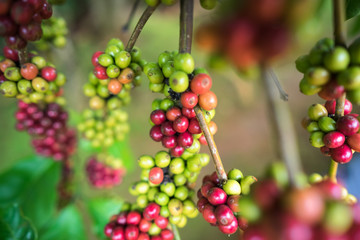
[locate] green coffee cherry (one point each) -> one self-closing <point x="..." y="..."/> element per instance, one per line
<point x="327" y="124"/>
<point x="39" y="61"/>
<point x="151" y="193"/>
<point x="194" y="164"/>
<point x="8" y="89"/>
<point x="184" y="62"/>
<point x="353" y="96"/>
<point x="308" y="89"/>
<point x="142" y="187"/>
<point x="163" y="58"/>
<point x="181" y="193"/>
<point x="123" y="59"/>
<point x="312" y="127"/>
<point x="232" y="187"/>
<point x="245" y="184"/>
<point x="177" y="166"/>
<point x="189" y="208"/>
<point x="168" y="69"/>
<point x="235" y="174"/>
<point x="204" y="159"/>
<point x="317" y="76"/>
<point x="105" y="60"/>
<point x="113" y="71"/>
<point x="316" y="139"/>
<point x="179" y="81"/>
<point x="12" y="74"/>
<point x="302" y="63"/>
<point x="142" y="201"/>
<point x="315" y="178"/>
<point x="102" y="91"/>
<point x="164" y="211"/>
<point x="334" y="223"/>
<point x="317" y="111"/>
<point x="175" y="219"/>
<point x="162" y="159"/>
<point x="154" y="230"/>
<point x="183" y="222"/>
<point x="175" y="207"/>
<point x="179" y="179"/>
<point x="135" y="54"/>
<point x="156" y="87"/>
<point x="40" y="85"/>
<point x="146" y="161"/>
<point x="166" y="104"/>
<point x="168" y="188"/>
<point x="162" y="198"/>
<point x="60" y="79"/>
<point x="24" y="87"/>
<point x="117" y="42"/>
<point x="155" y="75"/>
<point x="349" y="78"/>
<point x="249" y="209"/>
<point x="337" y="60"/>
<point x="195" y="147"/>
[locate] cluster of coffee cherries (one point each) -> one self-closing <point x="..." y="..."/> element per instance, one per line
<point x="167" y="181"/>
<point x="336" y="137"/>
<point x="248" y="33"/>
<point x="218" y="202"/>
<point x="54" y="34"/>
<point x="104" y="171"/>
<point x="34" y="81"/>
<point x="118" y="66"/>
<point x="100" y="97"/>
<point x="48" y="128"/>
<point x="177" y="128"/>
<point x="322" y="210"/>
<point x="134" y="224"/>
<point x="331" y="70"/>
<point x="20" y="21"/>
<point x="175" y="75"/>
<point x="103" y="128"/>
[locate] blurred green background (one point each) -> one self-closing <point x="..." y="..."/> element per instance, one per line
<point x="244" y="136"/>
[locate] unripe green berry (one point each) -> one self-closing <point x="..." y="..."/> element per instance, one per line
<point x="105" y="60"/>
<point x="177" y="166"/>
<point x="8" y="89"/>
<point x="184" y="62"/>
<point x="350" y="78"/>
<point x="24" y="87"/>
<point x="308" y="89"/>
<point x="162" y="159"/>
<point x="327" y="124"/>
<point x="316" y="139"/>
<point x="316" y="111"/>
<point x="161" y="198"/>
<point x="232" y="187"/>
<point x="146" y="161"/>
<point x="337" y="60"/>
<point x="123" y="59"/>
<point x="235" y="174"/>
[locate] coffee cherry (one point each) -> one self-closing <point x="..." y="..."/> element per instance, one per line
<point x="189" y="113"/>
<point x="169" y="141"/>
<point x="337" y="60"/>
<point x="167" y="128"/>
<point x="177" y="151"/>
<point x="175" y="207"/>
<point x="349" y="78"/>
<point x="316" y="139"/>
<point x="31" y="32"/>
<point x="133" y="218"/>
<point x="194" y="126"/>
<point x="316" y="111"/>
<point x="332" y="90"/>
<point x="224" y="215"/>
<point x="114" y="86"/>
<point x="123" y="59"/>
<point x="189" y="99"/>
<point x="179" y="81"/>
<point x="307" y="88"/>
<point x="208" y="101"/>
<point x="156" y="175"/>
<point x="161" y="222"/>
<point x="156" y="134"/>
<point x="334" y="139"/>
<point x="209" y="214"/>
<point x="173" y="113"/>
<point x="217" y="196"/>
<point x="152" y="211"/>
<point x="354" y="142"/>
<point x="327" y="124"/>
<point x="131" y="232"/>
<point x="184" y="62"/>
<point x="232" y="187"/>
<point x="166" y="234"/>
<point x="230" y="228"/>
<point x="348" y="125"/>
<point x="317" y="76"/>
<point x="235" y="174"/>
<point x="49" y="73"/>
<point x="177" y="166"/>
<point x="185" y="139"/>
<point x="342" y="154"/>
<point x="100" y="72"/>
<point x="29" y="71"/>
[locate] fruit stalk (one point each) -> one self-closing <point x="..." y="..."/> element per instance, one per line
<point x="131" y="15"/>
<point x="340" y="39"/>
<point x="281" y="123"/>
<point x="139" y="26"/>
<point x="176" y="232"/>
<point x="23" y="56"/>
<point x="212" y="146"/>
<point x="186" y="25"/>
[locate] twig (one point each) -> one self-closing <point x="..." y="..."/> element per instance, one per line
<point x="186" y="25"/>
<point x="212" y="146"/>
<point x="125" y="28"/>
<point x="176" y="232"/>
<point x="139" y="26"/>
<point x="340" y="40"/>
<point x="23" y="56"/>
<point x="283" y="95"/>
<point x="284" y="134"/>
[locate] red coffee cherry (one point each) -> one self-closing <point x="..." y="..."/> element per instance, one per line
<point x="161" y="222"/>
<point x="95" y="58"/>
<point x="194" y="126"/>
<point x="156" y="134"/>
<point x="230" y="228"/>
<point x="347" y="125"/>
<point x="189" y="99"/>
<point x="342" y="154"/>
<point x="181" y="124"/>
<point x="158" y="117"/>
<point x="217" y="196"/>
<point x="205" y="188"/>
<point x="208" y="214"/>
<point x="185" y="139"/>
<point x="49" y="73"/>
<point x="167" y="128"/>
<point x="208" y="101"/>
<point x="173" y="113"/>
<point x="100" y="72"/>
<point x="169" y="142"/>
<point x="29" y="71"/>
<point x="144" y="225"/>
<point x="118" y="234"/>
<point x="224" y="215"/>
<point x="188" y="112"/>
<point x="152" y="211"/>
<point x="121" y="218"/>
<point x="143" y="236"/>
<point x="167" y="234"/>
<point x="354" y="142"/>
<point x="334" y="139"/>
<point x="131" y="232"/>
<point x="201" y="204"/>
<point x="156" y="175"/>
<point x="201" y="83"/>
<point x="133" y="218"/>
<point x="177" y="151"/>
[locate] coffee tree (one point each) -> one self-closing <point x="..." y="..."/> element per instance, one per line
<point x="41" y="197"/>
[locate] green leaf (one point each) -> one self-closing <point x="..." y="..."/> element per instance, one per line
<point x="354" y="26"/>
<point x="15" y="226"/>
<point x="32" y="184"/>
<point x="352" y="8"/>
<point x="123" y="150"/>
<point x="101" y="209"/>
<point x="68" y="225"/>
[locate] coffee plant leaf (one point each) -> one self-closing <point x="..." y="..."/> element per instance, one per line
<point x="352" y="8"/>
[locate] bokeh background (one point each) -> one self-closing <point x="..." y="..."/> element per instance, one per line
<point x="244" y="136"/>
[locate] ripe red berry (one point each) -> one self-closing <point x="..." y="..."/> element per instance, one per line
<point x="181" y="124"/>
<point x="230" y="228"/>
<point x="157" y="117"/>
<point x="208" y="101"/>
<point x="201" y="204"/>
<point x="330" y="189"/>
<point x="143" y="236"/>
<point x="189" y="99"/>
<point x="205" y="188"/>
<point x="95" y="58"/>
<point x="100" y="72"/>
<point x="29" y="71"/>
<point x="167" y="128"/>
<point x="214" y="178"/>
<point x="334" y="139"/>
<point x="224" y="215"/>
<point x="46" y="10"/>
<point x="15" y="42"/>
<point x="185" y="139"/>
<point x="118" y="234"/>
<point x="201" y="83"/>
<point x="11" y="53"/>
<point x="325" y="150"/>
<point x="331" y="105"/>
<point x="188" y="112"/>
<point x="22" y="12"/>
<point x="151" y="211"/>
<point x="144" y="225"/>
<point x="202" y="140"/>
<point x="7" y="26"/>
<point x="167" y="234"/>
<point x="49" y="73"/>
<point x="156" y="134"/>
<point x="169" y="141"/>
<point x="31" y="32"/>
<point x="131" y="232"/>
<point x="208" y="214"/>
<point x="161" y="222"/>
<point x="331" y="91"/>
<point x="133" y="218"/>
<point x="173" y="113"/>
<point x="108" y="229"/>
<point x="233" y="203"/>
<point x="156" y="175"/>
<point x="217" y="196"/>
<point x="347" y="125"/>
<point x="177" y="151"/>
<point x="194" y="126"/>
<point x="354" y="142"/>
